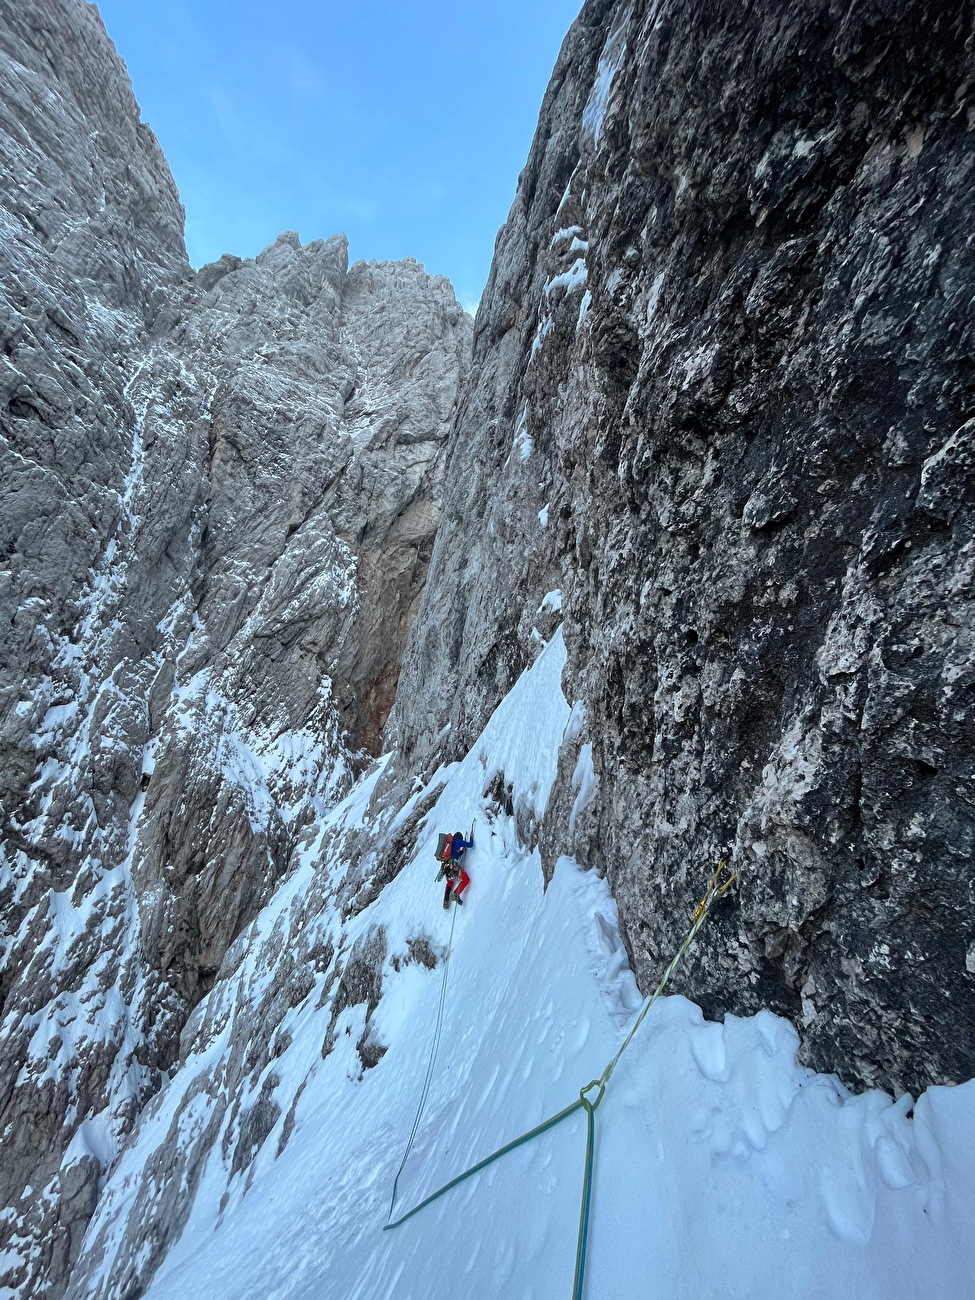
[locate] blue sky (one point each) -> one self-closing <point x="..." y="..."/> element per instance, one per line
<point x="403" y="124"/>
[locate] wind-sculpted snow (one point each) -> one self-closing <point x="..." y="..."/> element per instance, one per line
<point x="722" y="1167"/>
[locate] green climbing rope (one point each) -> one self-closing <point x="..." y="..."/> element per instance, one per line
<point x="590" y="1107"/>
<point x="482" y="1164"/>
<point x="721" y="882"/>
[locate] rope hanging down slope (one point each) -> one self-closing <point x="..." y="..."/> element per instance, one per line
<point x="433" y="1060"/>
<point x="721" y="882"/>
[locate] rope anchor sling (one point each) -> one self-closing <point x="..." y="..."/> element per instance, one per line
<point x="721" y="882"/>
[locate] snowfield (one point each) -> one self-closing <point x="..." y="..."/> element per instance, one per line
<point x="722" y="1169"/>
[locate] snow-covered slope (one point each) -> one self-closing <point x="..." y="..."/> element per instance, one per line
<point x="722" y="1167"/>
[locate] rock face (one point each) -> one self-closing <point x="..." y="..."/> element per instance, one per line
<point x="221" y="490"/>
<point x="720" y="415"/>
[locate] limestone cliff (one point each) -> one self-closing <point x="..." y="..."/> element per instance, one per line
<point x="220" y="493"/>
<point x="720" y="417"/>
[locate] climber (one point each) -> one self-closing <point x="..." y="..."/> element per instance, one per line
<point x="450" y="849"/>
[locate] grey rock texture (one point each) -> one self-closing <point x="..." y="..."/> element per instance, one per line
<point x="234" y="1079"/>
<point x="221" y="490"/>
<point x="721" y="401"/>
<point x="92" y="254"/>
<point x="92" y="249"/>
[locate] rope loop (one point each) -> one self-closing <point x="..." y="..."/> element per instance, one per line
<point x="596" y="1083"/>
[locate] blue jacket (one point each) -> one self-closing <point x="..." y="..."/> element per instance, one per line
<point x="461" y="846"/>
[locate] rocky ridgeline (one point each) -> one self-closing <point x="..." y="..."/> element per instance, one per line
<point x="220" y="497"/>
<point x="720" y="415"/>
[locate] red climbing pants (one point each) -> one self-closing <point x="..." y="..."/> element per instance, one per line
<point x="463" y="881"/>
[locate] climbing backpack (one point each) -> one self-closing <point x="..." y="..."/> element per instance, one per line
<point x="445" y="847"/>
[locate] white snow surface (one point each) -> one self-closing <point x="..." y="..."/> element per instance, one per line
<point x="569" y="280"/>
<point x="722" y="1168"/>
